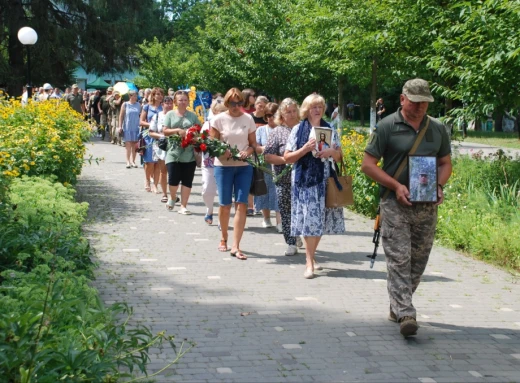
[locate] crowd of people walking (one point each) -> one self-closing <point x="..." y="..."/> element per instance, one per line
<point x="284" y="134"/>
<point x="256" y="127"/>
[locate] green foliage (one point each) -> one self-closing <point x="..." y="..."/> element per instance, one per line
<point x="168" y="65"/>
<point x="481" y="214"/>
<point x="366" y="191"/>
<point x="44" y="138"/>
<point x="101" y="35"/>
<point x="53" y="325"/>
<point x="476" y="53"/>
<point x="253" y="44"/>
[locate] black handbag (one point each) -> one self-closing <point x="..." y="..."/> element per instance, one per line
<point x="258" y="185"/>
<point x="162" y="143"/>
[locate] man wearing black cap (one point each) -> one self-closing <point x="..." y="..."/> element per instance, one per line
<point x="407" y="229"/>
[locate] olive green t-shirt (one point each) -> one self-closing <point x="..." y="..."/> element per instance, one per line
<point x="393" y="138"/>
<point x="176" y="153"/>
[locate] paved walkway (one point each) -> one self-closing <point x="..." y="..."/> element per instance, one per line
<point x="329" y="329"/>
<point x="465" y="147"/>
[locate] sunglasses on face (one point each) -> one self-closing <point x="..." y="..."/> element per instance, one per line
<point x="234" y="104"/>
<point x="268" y="115"/>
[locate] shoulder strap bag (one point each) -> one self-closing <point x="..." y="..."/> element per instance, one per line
<point x="339" y="189"/>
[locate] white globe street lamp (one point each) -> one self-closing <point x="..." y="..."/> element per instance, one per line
<point x="28" y="36"/>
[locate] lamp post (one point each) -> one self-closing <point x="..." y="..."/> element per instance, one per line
<point x="27" y="37"/>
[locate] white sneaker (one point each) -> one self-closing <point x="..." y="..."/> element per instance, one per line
<point x="299" y="242"/>
<point x="279" y="228"/>
<point x="291" y="250"/>
<point x="267" y="223"/>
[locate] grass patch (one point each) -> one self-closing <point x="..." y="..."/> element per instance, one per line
<point x="499" y="139"/>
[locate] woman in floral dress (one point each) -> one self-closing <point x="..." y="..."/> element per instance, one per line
<point x="310" y="218"/>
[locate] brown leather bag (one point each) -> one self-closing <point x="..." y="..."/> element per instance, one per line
<point x="339" y="198"/>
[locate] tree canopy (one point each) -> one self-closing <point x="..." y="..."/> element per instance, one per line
<point x="352" y="49"/>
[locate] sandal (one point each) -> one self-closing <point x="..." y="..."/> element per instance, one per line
<point x="223" y="246"/>
<point x="239" y="255"/>
<point x="164" y="199"/>
<point x="208" y="219"/>
<point x="170" y="205"/>
<point x="184" y="211"/>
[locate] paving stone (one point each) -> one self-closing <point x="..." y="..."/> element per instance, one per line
<point x="224" y="370"/>
<point x="499" y="336"/>
<point x="291" y="346"/>
<point x="341" y="331"/>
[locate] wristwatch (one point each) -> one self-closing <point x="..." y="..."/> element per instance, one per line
<point x="441" y="186"/>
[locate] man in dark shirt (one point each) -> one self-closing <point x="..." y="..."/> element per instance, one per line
<point x="75" y="100"/>
<point x="407" y="229"/>
<point x="380" y="110"/>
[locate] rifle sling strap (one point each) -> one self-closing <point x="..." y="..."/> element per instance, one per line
<point x="412" y="151"/>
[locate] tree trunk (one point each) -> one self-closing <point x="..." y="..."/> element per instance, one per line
<point x="499" y="117"/>
<point x="361" y="114"/>
<point x="448" y="105"/>
<point x="373" y="95"/>
<point x="341" y="102"/>
<point x="15" y="49"/>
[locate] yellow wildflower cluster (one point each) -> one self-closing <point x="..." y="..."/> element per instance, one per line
<point x="42" y="138"/>
<point x="366" y="191"/>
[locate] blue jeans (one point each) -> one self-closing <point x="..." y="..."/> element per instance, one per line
<point x="231" y="179"/>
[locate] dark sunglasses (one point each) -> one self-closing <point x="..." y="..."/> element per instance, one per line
<point x="266" y="116"/>
<point x="233" y="103"/>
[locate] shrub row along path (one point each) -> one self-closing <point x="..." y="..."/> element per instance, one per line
<point x="260" y="321"/>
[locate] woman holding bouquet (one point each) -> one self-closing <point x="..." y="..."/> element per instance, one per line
<point x="180" y="161"/>
<point x="309" y="216"/>
<point x="237" y="129"/>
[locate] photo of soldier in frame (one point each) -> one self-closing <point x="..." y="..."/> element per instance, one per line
<point x="422" y="179"/>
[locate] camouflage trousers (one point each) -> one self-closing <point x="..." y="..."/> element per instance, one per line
<point x="408" y="233"/>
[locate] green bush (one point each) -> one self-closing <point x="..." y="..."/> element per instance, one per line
<point x="53" y="325"/>
<point x="366" y="191"/>
<point x="481" y="214"/>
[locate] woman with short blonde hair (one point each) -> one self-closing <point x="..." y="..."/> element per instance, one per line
<point x="312" y="168"/>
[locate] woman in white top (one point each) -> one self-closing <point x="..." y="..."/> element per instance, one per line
<point x="237" y="129"/>
<point x="156" y="131"/>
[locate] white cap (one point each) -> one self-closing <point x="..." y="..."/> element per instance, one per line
<point x="47" y="86"/>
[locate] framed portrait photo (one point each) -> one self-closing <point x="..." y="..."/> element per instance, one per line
<point x="422" y="179"/>
<point x="323" y="138"/>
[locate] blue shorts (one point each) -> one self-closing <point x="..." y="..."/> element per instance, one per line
<point x="233" y="178"/>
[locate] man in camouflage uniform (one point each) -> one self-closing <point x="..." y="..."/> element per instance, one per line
<point x="407" y="229"/>
<point x="423" y="190"/>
